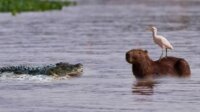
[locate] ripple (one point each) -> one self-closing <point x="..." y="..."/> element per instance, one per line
<point x="97" y="33"/>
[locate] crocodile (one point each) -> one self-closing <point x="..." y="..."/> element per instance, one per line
<point x="58" y="69"/>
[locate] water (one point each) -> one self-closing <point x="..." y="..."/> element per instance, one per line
<point x="97" y="33"/>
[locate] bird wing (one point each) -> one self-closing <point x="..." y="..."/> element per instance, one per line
<point x="165" y="42"/>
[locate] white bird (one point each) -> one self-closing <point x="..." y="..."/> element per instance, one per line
<point x="161" y="41"/>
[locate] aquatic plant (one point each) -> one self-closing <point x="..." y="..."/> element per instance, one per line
<point x="18" y="6"/>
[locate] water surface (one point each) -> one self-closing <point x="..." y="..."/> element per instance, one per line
<point x="97" y="33"/>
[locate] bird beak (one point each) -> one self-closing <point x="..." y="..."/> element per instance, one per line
<point x="148" y="29"/>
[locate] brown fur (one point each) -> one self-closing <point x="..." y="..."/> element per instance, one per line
<point x="144" y="67"/>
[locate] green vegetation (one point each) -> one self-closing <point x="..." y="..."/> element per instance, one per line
<point x="18" y="6"/>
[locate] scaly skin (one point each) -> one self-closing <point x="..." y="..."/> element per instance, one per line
<point x="59" y="69"/>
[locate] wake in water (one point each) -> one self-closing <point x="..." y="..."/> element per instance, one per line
<point x="27" y="77"/>
<point x="12" y="76"/>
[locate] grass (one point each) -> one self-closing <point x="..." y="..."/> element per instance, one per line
<point x="18" y="6"/>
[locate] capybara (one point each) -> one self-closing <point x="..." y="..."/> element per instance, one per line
<point x="144" y="67"/>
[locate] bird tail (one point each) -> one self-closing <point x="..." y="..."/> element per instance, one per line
<point x="172" y="47"/>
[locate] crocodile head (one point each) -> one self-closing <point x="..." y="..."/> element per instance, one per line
<point x="66" y="69"/>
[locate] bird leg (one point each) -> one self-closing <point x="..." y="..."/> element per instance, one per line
<point x="166" y="52"/>
<point x="161" y="54"/>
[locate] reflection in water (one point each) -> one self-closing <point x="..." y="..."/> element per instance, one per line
<point x="144" y="87"/>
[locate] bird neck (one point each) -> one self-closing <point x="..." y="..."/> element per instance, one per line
<point x="154" y="33"/>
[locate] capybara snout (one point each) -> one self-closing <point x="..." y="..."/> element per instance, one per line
<point x="128" y="57"/>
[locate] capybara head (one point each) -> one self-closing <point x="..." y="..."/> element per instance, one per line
<point x="136" y="55"/>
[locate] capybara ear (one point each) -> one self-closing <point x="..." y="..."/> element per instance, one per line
<point x="145" y="51"/>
